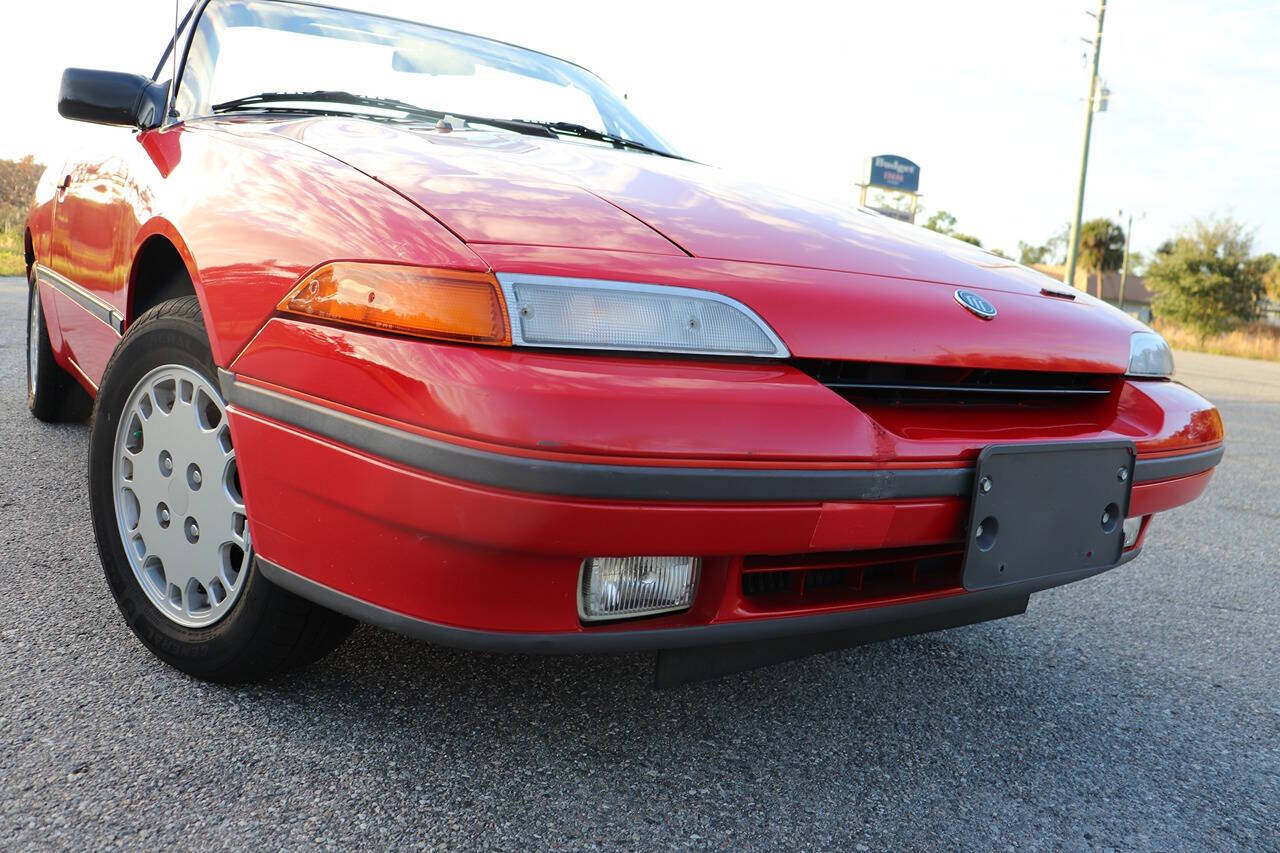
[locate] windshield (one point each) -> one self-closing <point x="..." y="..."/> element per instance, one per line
<point x="243" y="48"/>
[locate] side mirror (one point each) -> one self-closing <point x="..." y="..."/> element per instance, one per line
<point x="111" y="97"/>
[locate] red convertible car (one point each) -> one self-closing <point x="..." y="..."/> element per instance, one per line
<point x="391" y="323"/>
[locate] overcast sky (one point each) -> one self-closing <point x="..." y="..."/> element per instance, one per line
<point x="986" y="96"/>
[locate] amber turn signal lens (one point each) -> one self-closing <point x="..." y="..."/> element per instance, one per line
<point x="452" y="305"/>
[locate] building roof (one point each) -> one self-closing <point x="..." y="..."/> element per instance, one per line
<point x="1135" y="288"/>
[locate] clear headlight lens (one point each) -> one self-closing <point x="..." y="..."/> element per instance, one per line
<point x="551" y="311"/>
<point x="1149" y="355"/>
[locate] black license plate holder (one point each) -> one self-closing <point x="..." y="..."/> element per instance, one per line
<point x="1038" y="510"/>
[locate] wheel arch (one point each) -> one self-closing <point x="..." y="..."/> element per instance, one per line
<point x="159" y="272"/>
<point x="28" y="249"/>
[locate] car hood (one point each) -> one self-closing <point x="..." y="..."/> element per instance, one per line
<point x="500" y="188"/>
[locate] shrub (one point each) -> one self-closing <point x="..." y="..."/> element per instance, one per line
<point x="12" y="259"/>
<point x="1255" y="340"/>
<point x="1205" y="280"/>
<point x="18" y="179"/>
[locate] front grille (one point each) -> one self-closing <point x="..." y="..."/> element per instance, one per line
<point x="922" y="383"/>
<point x="779" y="582"/>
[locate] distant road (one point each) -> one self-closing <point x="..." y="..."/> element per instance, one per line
<point x="1225" y="377"/>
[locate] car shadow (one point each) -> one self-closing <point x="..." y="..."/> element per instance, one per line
<point x="969" y="693"/>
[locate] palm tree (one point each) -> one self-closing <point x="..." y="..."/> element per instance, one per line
<point x="1101" y="248"/>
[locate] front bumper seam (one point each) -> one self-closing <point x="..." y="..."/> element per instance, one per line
<point x="637" y="482"/>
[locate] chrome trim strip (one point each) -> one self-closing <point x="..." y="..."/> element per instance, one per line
<point x="634" y="482"/>
<point x="104" y="311"/>
<point x="508" y="281"/>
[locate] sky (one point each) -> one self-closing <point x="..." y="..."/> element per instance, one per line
<point x="988" y="97"/>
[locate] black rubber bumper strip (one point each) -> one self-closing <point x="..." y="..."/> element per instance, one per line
<point x="586" y="480"/>
<point x="607" y="640"/>
<point x="631" y="482"/>
<point x="1183" y="465"/>
<point x="86" y="300"/>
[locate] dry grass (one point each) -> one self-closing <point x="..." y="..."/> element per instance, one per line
<point x="1257" y="340"/>
<point x="12" y="261"/>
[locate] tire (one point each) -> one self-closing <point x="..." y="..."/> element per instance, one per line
<point x="52" y="395"/>
<point x="227" y="622"/>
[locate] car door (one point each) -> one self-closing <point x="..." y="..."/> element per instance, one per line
<point x="89" y="255"/>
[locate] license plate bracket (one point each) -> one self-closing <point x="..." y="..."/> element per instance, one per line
<point x="1040" y="510"/>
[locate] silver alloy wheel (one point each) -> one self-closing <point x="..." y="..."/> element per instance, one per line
<point x="33" y="340"/>
<point x="177" y="496"/>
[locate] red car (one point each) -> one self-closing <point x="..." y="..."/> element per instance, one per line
<point x="393" y="323"/>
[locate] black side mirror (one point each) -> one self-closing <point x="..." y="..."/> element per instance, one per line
<point x="111" y="97"/>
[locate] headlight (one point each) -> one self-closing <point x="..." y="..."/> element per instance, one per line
<point x="550" y="311"/>
<point x="1149" y="355"/>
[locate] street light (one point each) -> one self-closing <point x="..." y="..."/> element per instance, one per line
<point x="1124" y="268"/>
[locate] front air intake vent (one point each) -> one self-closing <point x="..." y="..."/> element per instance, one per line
<point x="920" y="383"/>
<point x="852" y="577"/>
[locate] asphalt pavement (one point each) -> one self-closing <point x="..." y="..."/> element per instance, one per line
<point x="1139" y="709"/>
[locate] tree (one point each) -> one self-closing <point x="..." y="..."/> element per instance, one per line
<point x="1137" y="262"/>
<point x="1052" y="251"/>
<point x="1204" y="278"/>
<point x="945" y="223"/>
<point x="18" y="179"/>
<point x="941" y="221"/>
<point x="1271" y="279"/>
<point x="1101" y="248"/>
<point x="1029" y="254"/>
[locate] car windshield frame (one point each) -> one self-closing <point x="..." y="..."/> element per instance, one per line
<point x="617" y="119"/>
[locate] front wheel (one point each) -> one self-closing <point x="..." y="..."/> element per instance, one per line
<point x="170" y="519"/>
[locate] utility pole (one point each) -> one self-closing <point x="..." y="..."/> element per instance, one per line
<point x="1124" y="268"/>
<point x="1073" y="245"/>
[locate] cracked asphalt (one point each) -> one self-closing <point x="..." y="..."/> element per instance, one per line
<point x="1136" y="710"/>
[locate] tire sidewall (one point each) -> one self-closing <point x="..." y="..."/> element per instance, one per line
<point x="153" y="342"/>
<point x="42" y="397"/>
<point x="33" y="294"/>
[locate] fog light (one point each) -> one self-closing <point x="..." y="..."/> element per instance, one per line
<point x="1132" y="527"/>
<point x="622" y="587"/>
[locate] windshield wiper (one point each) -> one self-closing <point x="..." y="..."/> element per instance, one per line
<point x="264" y="101"/>
<point x="565" y="128"/>
<point x="549" y="129"/>
<point x="325" y="96"/>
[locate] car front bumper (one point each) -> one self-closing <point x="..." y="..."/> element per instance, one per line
<point x="465" y="543"/>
